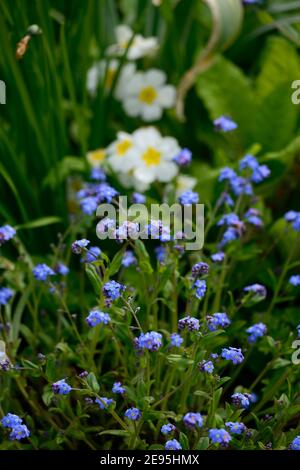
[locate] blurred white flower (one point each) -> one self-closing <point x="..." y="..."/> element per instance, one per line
<point x="104" y="72"/>
<point x="96" y="157"/>
<point x="122" y="154"/>
<point x="139" y="47"/>
<point x="145" y="94"/>
<point x="143" y="157"/>
<point x="184" y="183"/>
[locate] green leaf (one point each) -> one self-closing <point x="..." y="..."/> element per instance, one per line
<point x="116" y="263"/>
<point x="92" y="382"/>
<point x="66" y="167"/>
<point x="115" y="432"/>
<point x="202" y="444"/>
<point x="183" y="439"/>
<point x="50" y="368"/>
<point x="42" y="222"/>
<point x="94" y="277"/>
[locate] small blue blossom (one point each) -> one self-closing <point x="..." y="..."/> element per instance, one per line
<point x="96" y="317"/>
<point x="252" y="216"/>
<point x="225" y="124"/>
<point x="92" y="254"/>
<point x="256" y="331"/>
<point x="200" y="268"/>
<point x="133" y="414"/>
<point x="138" y="198"/>
<point x="112" y="290"/>
<point x="241" y="400"/>
<point x="193" y="420"/>
<point x="19" y="432"/>
<point x="258" y="291"/>
<point x="79" y="245"/>
<point x="61" y="387"/>
<point x="206" y="366"/>
<point x="227" y="174"/>
<point x="295" y="445"/>
<point x="260" y="173"/>
<point x="10" y="420"/>
<point x="118" y="388"/>
<point x="248" y="161"/>
<point x="252" y="2"/>
<point x="229" y="220"/>
<point x="176" y="340"/>
<point x="183" y="158"/>
<point x="89" y="205"/>
<point x="106" y="193"/>
<point x="161" y="254"/>
<point x="217" y="320"/>
<point x="298" y="330"/>
<point x="219" y="436"/>
<point x="293" y="217"/>
<point x="97" y="174"/>
<point x="230" y="235"/>
<point x="167" y="429"/>
<point x="5" y="295"/>
<point x="225" y="198"/>
<point x="104" y="402"/>
<point x="240" y="186"/>
<point x="189" y="197"/>
<point x="129" y="259"/>
<point x="218" y="257"/>
<point x="6" y="233"/>
<point x="293" y="280"/>
<point x="234" y="355"/>
<point x="173" y="444"/>
<point x="151" y="341"/>
<point x="235" y="428"/>
<point x="191" y="323"/>
<point x="61" y="269"/>
<point x="200" y="287"/>
<point x="41" y="272"/>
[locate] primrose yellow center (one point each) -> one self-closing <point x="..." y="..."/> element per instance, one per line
<point x="96" y="157"/>
<point x="151" y="156"/>
<point x="122" y="147"/>
<point x="109" y="78"/>
<point x="148" y="95"/>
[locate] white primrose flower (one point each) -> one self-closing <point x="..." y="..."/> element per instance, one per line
<point x="184" y="183"/>
<point x="155" y="156"/>
<point x="139" y="47"/>
<point x="105" y="72"/>
<point x="96" y="157"/>
<point x="122" y="154"/>
<point x="146" y="94"/>
<point x="143" y="157"/>
<point x="128" y="180"/>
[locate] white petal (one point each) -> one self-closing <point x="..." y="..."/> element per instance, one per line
<point x="145" y="175"/>
<point x="151" y="113"/>
<point x="155" y="77"/>
<point x="167" y="171"/>
<point x="132" y="107"/>
<point x="133" y="85"/>
<point x="167" y="96"/>
<point x="146" y="136"/>
<point x="123" y="33"/>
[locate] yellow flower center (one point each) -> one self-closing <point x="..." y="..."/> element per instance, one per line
<point x="96" y="157"/>
<point x="151" y="156"/>
<point x="109" y="78"/>
<point x="123" y="146"/>
<point x="148" y="95"/>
